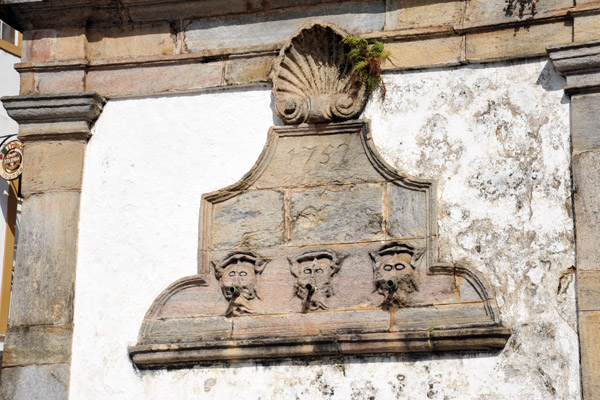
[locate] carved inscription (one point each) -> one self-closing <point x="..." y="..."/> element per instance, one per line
<point x="238" y="276"/>
<point x="314" y="271"/>
<point x="334" y="156"/>
<point x="394" y="273"/>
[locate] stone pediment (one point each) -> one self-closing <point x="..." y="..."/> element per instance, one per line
<point x="322" y="248"/>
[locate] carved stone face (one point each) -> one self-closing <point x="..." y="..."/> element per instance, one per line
<point x="395" y="274"/>
<point x="240" y="276"/>
<point x="394" y="268"/>
<point x="314" y="271"/>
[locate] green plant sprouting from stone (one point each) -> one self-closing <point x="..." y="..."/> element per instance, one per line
<point x="366" y="59"/>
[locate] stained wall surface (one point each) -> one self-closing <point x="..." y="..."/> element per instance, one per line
<point x="496" y="139"/>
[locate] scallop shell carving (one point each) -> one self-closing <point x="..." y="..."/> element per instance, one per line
<point x="313" y="79"/>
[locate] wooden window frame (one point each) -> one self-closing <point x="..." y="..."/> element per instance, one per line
<point x="12" y="48"/>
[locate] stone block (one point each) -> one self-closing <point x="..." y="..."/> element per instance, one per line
<point x="343" y="214"/>
<point x="311" y="324"/>
<point x="317" y="160"/>
<point x="407" y="212"/>
<point x="192" y="329"/>
<point x="248" y="69"/>
<point x="485" y="12"/>
<point x="250" y="30"/>
<point x="253" y="219"/>
<point x="50" y="44"/>
<point x="37" y="45"/>
<point x="421" y="53"/>
<point x="581" y="82"/>
<point x="52" y="166"/>
<point x="514" y="42"/>
<point x="588" y="290"/>
<point x="27" y="83"/>
<point x="587" y="205"/>
<point x="443" y="316"/>
<point x="70" y="44"/>
<point x="404" y="14"/>
<point x="60" y="82"/>
<point x="586" y="27"/>
<point x="140" y="12"/>
<point x="130" y="41"/>
<point x="156" y="79"/>
<point x="42" y="344"/>
<point x="35" y="382"/>
<point x="589" y="341"/>
<point x="585" y="126"/>
<point x="44" y="277"/>
<point x="58" y="130"/>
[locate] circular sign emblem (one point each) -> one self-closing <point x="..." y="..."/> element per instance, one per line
<point x="11" y="158"/>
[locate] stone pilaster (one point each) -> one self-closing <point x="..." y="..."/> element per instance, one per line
<point x="37" y="351"/>
<point x="580" y="64"/>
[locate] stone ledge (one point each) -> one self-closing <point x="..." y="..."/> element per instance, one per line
<point x="182" y="355"/>
<point x="481" y="38"/>
<point x="28" y="14"/>
<point x="251" y="65"/>
<point x="54" y="116"/>
<point x="579" y="63"/>
<point x="40" y="14"/>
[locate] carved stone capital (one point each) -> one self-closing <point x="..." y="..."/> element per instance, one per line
<point x="579" y="63"/>
<point x="313" y="80"/>
<point x="64" y="116"/>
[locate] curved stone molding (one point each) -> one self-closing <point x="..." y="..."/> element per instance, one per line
<point x="162" y="332"/>
<point x="351" y="246"/>
<point x="313" y="79"/>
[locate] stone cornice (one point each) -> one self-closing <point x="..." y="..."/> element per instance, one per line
<point x="65" y="116"/>
<point x="39" y="14"/>
<point x="579" y="63"/>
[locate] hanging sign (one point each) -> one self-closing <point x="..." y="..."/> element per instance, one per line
<point x="11" y="157"/>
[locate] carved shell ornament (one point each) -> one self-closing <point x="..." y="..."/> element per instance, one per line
<point x="313" y="79"/>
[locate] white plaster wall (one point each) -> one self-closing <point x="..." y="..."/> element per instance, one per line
<point x="496" y="138"/>
<point x="9" y="86"/>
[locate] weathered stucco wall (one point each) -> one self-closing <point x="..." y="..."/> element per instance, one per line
<point x="496" y="139"/>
